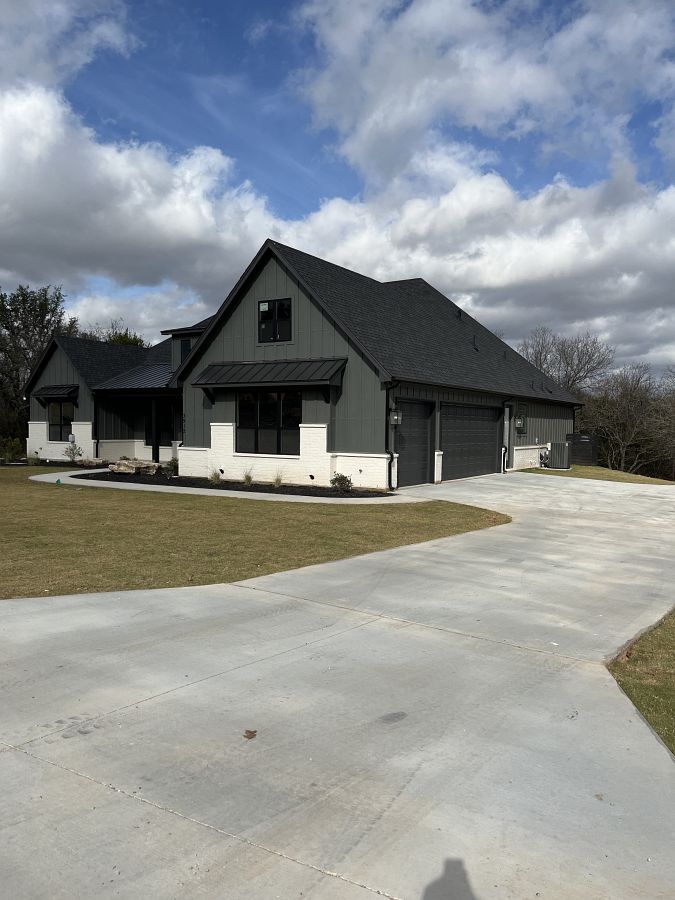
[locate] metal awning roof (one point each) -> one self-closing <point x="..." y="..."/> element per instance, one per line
<point x="148" y="377"/>
<point x="280" y="373"/>
<point x="56" y="392"/>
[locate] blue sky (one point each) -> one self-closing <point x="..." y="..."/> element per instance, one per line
<point x="199" y="76"/>
<point x="516" y="153"/>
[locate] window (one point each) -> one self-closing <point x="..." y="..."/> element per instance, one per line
<point x="60" y="420"/>
<point x="185" y="347"/>
<point x="521" y="418"/>
<point x="269" y="422"/>
<point x="274" y="321"/>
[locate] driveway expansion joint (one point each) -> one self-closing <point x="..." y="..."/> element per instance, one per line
<point x="399" y="620"/>
<point x="222" y="831"/>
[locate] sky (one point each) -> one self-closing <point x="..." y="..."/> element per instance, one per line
<point x="517" y="154"/>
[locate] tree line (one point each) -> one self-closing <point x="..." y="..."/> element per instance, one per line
<point x="28" y="321"/>
<point x="630" y="410"/>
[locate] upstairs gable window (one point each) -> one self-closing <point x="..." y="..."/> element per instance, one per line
<point x="274" y="321"/>
<point x="185" y="347"/>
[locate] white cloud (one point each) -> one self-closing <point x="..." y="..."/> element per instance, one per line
<point x="390" y="71"/>
<point x="47" y="41"/>
<point x="73" y="207"/>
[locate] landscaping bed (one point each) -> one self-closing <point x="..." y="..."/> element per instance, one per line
<point x="255" y="488"/>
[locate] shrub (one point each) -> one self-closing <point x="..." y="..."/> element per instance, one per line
<point x="11" y="449"/>
<point x="341" y="483"/>
<point x="171" y="467"/>
<point x="34" y="458"/>
<point x="278" y="480"/>
<point x="124" y="457"/>
<point x="248" y="477"/>
<point x="214" y="477"/>
<point x="73" y="452"/>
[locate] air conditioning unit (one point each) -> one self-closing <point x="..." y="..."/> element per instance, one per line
<point x="559" y="455"/>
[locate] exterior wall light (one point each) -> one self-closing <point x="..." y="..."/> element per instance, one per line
<point x="395" y="417"/>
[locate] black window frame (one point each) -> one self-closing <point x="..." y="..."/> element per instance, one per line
<point x="62" y="427"/>
<point x="285" y="435"/>
<point x="185" y="348"/>
<point x="274" y="307"/>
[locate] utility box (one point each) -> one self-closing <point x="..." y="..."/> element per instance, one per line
<point x="583" y="449"/>
<point x="559" y="455"/>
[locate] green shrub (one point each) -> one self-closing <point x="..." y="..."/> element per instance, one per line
<point x="248" y="477"/>
<point x="171" y="467"/>
<point x="34" y="458"/>
<point x="214" y="477"/>
<point x="341" y="483"/>
<point x="11" y="449"/>
<point x="278" y="480"/>
<point x="73" y="452"/>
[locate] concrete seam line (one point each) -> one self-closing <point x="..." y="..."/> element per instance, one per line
<point x="187" y="684"/>
<point x="465" y="634"/>
<point x="222" y="831"/>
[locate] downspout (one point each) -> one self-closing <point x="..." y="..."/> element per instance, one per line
<point x="387" y="434"/>
<point x="95" y="426"/>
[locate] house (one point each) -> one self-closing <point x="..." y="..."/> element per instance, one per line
<point x="309" y="369"/>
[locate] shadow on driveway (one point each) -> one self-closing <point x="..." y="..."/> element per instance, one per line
<point x="452" y="885"/>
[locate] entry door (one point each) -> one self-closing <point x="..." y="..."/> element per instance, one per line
<point x="413" y="443"/>
<point x="470" y="440"/>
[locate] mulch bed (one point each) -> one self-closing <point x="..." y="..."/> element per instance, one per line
<point x="184" y="481"/>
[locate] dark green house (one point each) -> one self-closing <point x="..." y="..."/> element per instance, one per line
<point x="307" y="370"/>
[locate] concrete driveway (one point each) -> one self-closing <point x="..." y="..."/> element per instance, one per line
<point x="432" y="722"/>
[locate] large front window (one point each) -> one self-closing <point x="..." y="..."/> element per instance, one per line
<point x="60" y="420"/>
<point x="269" y="422"/>
<point x="274" y="321"/>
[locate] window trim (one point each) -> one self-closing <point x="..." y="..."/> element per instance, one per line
<point x="257" y="393"/>
<point x="61" y="426"/>
<point x="275" y="340"/>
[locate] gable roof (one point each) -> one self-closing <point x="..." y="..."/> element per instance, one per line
<point x="98" y="361"/>
<point x="189" y="329"/>
<point x="407" y="329"/>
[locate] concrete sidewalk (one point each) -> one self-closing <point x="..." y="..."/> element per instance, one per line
<point x="433" y="721"/>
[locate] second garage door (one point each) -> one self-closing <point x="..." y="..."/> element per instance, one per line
<point x="470" y="440"/>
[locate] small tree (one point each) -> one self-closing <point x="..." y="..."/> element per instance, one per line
<point x="73" y="452"/>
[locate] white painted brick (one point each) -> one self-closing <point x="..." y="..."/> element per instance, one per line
<point x="527" y="457"/>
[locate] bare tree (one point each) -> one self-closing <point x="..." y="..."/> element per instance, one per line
<point x="576" y="363"/>
<point x="622" y="413"/>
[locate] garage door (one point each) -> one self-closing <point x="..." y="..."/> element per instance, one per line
<point x="413" y="443"/>
<point x="470" y="440"/>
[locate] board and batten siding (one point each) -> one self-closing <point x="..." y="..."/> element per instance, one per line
<point x="60" y="370"/>
<point x="120" y="419"/>
<point x="547" y="423"/>
<point x="357" y="422"/>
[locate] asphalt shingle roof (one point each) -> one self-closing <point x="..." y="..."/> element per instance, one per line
<point x="417" y="334"/>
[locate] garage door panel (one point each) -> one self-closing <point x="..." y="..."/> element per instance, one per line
<point x="413" y="443"/>
<point x="470" y="440"/>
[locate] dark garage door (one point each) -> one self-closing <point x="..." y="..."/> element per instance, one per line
<point x="413" y="443"/>
<point x="470" y="440"/>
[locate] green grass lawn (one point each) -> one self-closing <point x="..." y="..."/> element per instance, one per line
<point x="69" y="540"/>
<point x="598" y="473"/>
<point x="646" y="672"/>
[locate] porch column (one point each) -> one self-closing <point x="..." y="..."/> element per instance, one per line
<point x="154" y="430"/>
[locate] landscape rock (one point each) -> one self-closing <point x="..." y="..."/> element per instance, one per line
<point x="136" y="467"/>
